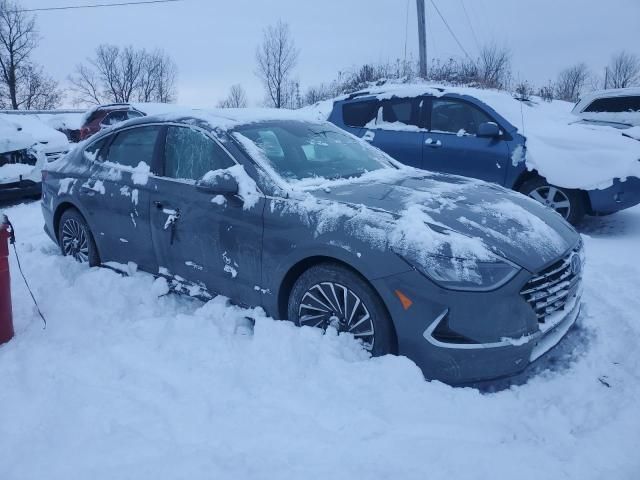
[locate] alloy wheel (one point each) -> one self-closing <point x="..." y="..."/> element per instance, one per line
<point x="331" y="304"/>
<point x="554" y="198"/>
<point x="75" y="241"/>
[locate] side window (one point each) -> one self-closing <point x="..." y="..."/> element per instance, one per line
<point x="189" y="154"/>
<point x="113" y="118"/>
<point x="453" y="116"/>
<point x="92" y="152"/>
<point x="133" y="146"/>
<point x="396" y="111"/>
<point x="615" y="105"/>
<point x="358" y="114"/>
<point x="133" y="114"/>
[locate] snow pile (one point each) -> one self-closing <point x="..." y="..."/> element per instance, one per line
<point x="129" y="382"/>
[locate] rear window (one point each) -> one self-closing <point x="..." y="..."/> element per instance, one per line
<point x="358" y="114"/>
<point x="615" y="105"/>
<point x="92" y="151"/>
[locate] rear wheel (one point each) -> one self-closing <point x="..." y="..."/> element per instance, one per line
<point x="332" y="295"/>
<point x="567" y="202"/>
<point x="75" y="238"/>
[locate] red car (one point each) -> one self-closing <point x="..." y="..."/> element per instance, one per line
<point x="106" y="115"/>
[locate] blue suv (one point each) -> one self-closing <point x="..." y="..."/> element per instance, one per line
<point x="456" y="133"/>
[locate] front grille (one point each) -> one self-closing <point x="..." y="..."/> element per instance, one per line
<point x="550" y="290"/>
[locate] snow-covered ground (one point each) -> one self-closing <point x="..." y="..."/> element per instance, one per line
<point x="127" y="382"/>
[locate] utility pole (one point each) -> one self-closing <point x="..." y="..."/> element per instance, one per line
<point x="422" y="38"/>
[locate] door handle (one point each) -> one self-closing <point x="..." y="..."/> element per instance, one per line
<point x="430" y="143"/>
<point x="158" y="204"/>
<point x="87" y="190"/>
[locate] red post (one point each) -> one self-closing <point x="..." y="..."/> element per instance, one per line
<point x="6" y="315"/>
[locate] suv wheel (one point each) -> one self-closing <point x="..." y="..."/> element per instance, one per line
<point x="567" y="202"/>
<point x="75" y="238"/>
<point x="332" y="295"/>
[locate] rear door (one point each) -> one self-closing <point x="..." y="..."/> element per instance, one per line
<point x="395" y="129"/>
<point x="116" y="195"/>
<point x="210" y="242"/>
<point x="452" y="146"/>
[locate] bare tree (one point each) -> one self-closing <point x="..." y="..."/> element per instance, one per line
<point x="23" y="84"/>
<point x="524" y="91"/>
<point x="157" y="78"/>
<point x="623" y="71"/>
<point x="276" y="58"/>
<point x="494" y="66"/>
<point x="38" y="91"/>
<point x="571" y="82"/>
<point x="547" y="92"/>
<point x="122" y="75"/>
<point x="166" y="74"/>
<point x="237" y="98"/>
<point x="86" y="85"/>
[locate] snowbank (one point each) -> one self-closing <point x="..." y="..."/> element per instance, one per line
<point x="128" y="382"/>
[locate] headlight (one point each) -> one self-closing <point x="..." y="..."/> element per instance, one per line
<point x="466" y="274"/>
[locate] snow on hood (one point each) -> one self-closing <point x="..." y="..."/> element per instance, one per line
<point x="567" y="153"/>
<point x="36" y="131"/>
<point x="422" y="214"/>
<point x="12" y="138"/>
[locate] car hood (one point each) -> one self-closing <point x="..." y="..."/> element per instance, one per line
<point x="507" y="223"/>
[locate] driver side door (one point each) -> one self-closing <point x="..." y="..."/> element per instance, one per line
<point x="204" y="241"/>
<point x="453" y="146"/>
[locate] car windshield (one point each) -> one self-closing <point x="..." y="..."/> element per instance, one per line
<point x="299" y="150"/>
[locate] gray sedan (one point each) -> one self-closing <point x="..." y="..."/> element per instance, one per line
<point x="469" y="280"/>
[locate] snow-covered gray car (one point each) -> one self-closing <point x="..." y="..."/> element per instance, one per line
<point x="468" y="279"/>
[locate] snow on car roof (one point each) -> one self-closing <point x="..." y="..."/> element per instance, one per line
<point x="229" y="118"/>
<point x="12" y="136"/>
<point x="613" y="92"/>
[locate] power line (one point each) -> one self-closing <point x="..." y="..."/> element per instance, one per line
<point x="470" y="24"/>
<point x="97" y="5"/>
<point x="450" y="31"/>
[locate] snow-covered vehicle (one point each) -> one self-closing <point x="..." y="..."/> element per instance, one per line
<point x="26" y="144"/>
<point x="619" y="107"/>
<point x="103" y="116"/>
<point x="272" y="209"/>
<point x="531" y="146"/>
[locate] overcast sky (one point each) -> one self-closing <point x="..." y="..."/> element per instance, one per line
<point x="213" y="42"/>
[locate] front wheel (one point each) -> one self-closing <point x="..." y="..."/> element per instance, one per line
<point x="332" y="295"/>
<point x="75" y="238"/>
<point x="567" y="202"/>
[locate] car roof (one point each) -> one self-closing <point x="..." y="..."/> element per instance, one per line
<point x="613" y="92"/>
<point x="219" y="118"/>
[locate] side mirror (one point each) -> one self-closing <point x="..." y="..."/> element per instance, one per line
<point x="488" y="129"/>
<point x="218" y="182"/>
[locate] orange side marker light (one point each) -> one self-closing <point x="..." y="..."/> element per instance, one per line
<point x="404" y="300"/>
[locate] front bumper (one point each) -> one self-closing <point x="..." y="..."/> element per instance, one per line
<point x="617" y="197"/>
<point x="503" y="335"/>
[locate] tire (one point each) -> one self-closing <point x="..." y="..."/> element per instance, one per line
<point x="312" y="303"/>
<point x="75" y="238"/>
<point x="568" y="203"/>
